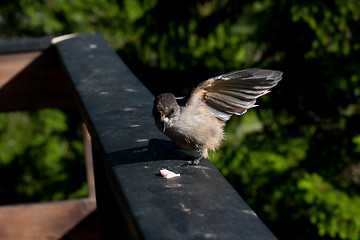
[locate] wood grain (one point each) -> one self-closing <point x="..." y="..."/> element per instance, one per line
<point x="44" y="220"/>
<point x="12" y="64"/>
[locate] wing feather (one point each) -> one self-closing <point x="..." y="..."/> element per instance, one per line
<point x="235" y="92"/>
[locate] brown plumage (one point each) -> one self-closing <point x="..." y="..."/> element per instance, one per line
<point x="199" y="124"/>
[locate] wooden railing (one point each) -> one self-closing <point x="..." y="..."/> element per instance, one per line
<point x="133" y="200"/>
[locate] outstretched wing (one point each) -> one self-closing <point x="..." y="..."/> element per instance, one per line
<point x="235" y="92"/>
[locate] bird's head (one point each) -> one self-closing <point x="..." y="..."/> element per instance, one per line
<point x="165" y="109"/>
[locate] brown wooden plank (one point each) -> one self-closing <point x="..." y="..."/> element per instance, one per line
<point x="89" y="162"/>
<point x="42" y="84"/>
<point x="44" y="220"/>
<point x="87" y="229"/>
<point x="12" y="64"/>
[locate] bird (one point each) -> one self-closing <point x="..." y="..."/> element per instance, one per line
<point x="196" y="122"/>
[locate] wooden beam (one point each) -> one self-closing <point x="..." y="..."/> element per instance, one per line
<point x="43" y="82"/>
<point x="25" y="45"/>
<point x="88" y="162"/>
<point x="44" y="220"/>
<point x="13" y="64"/>
<point x="129" y="152"/>
<point x="31" y="80"/>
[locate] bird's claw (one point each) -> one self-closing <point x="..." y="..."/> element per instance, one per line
<point x="194" y="162"/>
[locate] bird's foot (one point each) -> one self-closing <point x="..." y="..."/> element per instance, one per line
<point x="194" y="162"/>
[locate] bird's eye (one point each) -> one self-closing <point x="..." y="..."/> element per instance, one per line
<point x="171" y="111"/>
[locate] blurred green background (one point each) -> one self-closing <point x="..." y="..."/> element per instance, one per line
<point x="295" y="159"/>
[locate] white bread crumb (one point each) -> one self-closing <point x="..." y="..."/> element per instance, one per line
<point x="168" y="174"/>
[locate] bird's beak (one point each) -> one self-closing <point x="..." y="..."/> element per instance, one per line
<point x="165" y="123"/>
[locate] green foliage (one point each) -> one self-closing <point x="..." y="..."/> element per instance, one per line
<point x="330" y="209"/>
<point x="272" y="172"/>
<point x="37" y="160"/>
<point x="295" y="159"/>
<point x="331" y="24"/>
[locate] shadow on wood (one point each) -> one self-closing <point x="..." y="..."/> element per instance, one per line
<point x="41" y="84"/>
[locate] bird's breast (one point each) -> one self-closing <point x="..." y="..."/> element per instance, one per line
<point x="196" y="128"/>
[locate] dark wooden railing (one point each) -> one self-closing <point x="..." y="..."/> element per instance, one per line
<point x="133" y="200"/>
